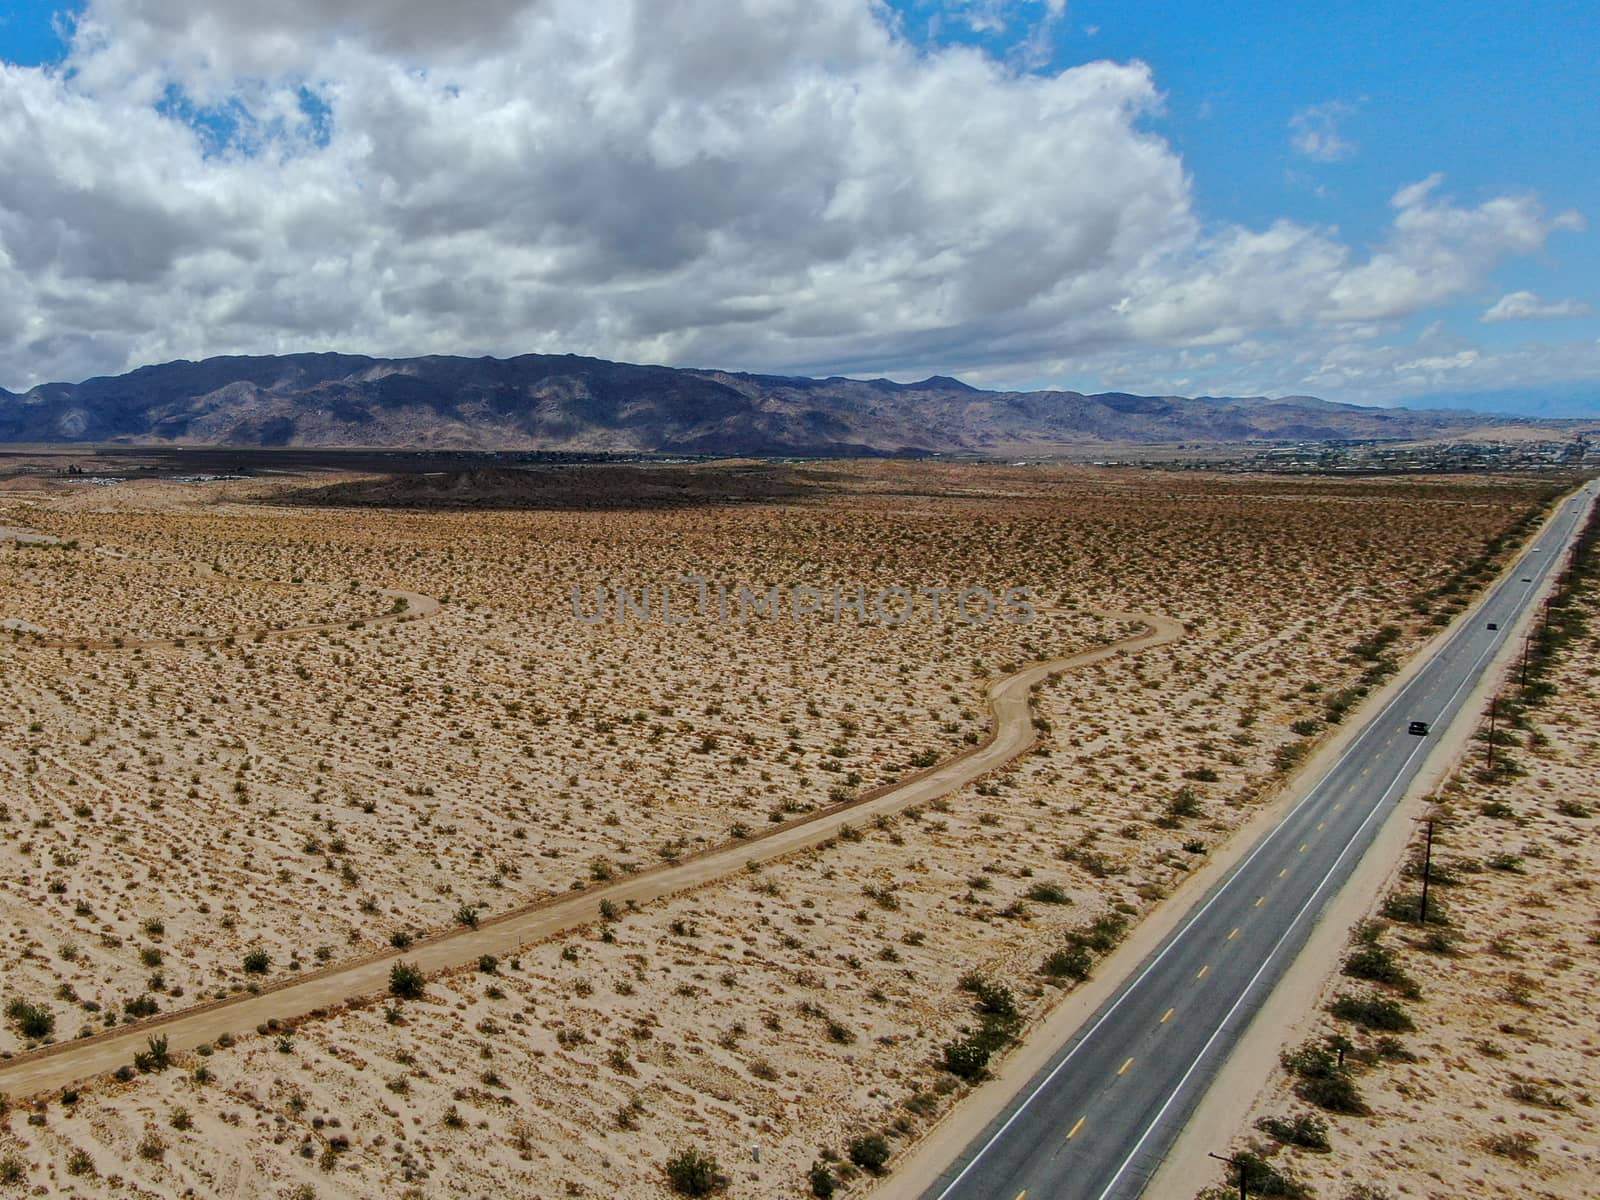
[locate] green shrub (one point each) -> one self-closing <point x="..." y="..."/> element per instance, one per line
<point x="1336" y="1093"/>
<point x="1439" y="941"/>
<point x="407" y="981"/>
<point x="1393" y="1049"/>
<point x="1377" y="963"/>
<point x="1320" y="1080"/>
<point x="967" y="1059"/>
<point x="1070" y="962"/>
<point x="155" y="1057"/>
<point x="996" y="1000"/>
<point x="257" y="961"/>
<point x="1185" y="804"/>
<point x="1289" y="756"/>
<point x="1340" y="703"/>
<point x="1310" y="1060"/>
<point x="1408" y="907"/>
<point x="823" y="1181"/>
<point x="870" y="1152"/>
<point x="32" y="1021"/>
<point x="1520" y="1146"/>
<point x="1372" y="1012"/>
<point x="1046" y="892"/>
<point x="693" y="1173"/>
<point x="1306" y="1130"/>
<point x="1102" y="935"/>
<point x="1261" y="1178"/>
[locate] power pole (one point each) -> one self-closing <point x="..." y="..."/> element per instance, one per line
<point x="1427" y="872"/>
<point x="1237" y="1163"/>
<point x="1494" y="705"/>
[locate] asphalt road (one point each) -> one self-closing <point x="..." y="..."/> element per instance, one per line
<point x="1096" y="1121"/>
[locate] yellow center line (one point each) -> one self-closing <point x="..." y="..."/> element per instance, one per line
<point x="1203" y="971"/>
<point x="1234" y="934"/>
<point x="1167" y="1016"/>
<point x="1283" y="872"/>
<point x="1022" y="1195"/>
<point x="1125" y="1066"/>
<point x="1259" y="902"/>
<point x="1322" y="825"/>
<point x="1338" y="806"/>
<point x="1076" y="1127"/>
<point x="1303" y="847"/>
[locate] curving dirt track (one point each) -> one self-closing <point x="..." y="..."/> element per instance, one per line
<point x="1011" y="735"/>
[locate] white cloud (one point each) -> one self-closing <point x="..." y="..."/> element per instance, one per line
<point x="766" y="184"/>
<point x="996" y="16"/>
<point x="1526" y="306"/>
<point x="1315" y="132"/>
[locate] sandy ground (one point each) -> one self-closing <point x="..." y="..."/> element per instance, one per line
<point x="171" y="809"/>
<point x="1492" y="1093"/>
<point x="1013" y="733"/>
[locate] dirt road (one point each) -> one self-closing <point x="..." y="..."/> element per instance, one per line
<point x="39" y="1071"/>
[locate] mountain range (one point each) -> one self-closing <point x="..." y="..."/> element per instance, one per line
<point x="566" y="402"/>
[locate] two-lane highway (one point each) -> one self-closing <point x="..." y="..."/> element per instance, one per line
<point x="1096" y="1121"/>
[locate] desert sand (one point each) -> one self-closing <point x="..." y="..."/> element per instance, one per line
<point x="297" y="784"/>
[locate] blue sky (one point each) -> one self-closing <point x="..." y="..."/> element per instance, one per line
<point x="1310" y="119"/>
<point x="1498" y="97"/>
<point x="28" y="35"/>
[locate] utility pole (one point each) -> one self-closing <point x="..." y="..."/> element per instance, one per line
<point x="1494" y="705"/>
<point x="1427" y="874"/>
<point x="1233" y="1162"/>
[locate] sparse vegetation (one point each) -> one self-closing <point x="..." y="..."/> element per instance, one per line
<point x="690" y="1172"/>
<point x="374" y="786"/>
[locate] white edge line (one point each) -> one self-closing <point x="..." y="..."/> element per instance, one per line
<point x="1233" y="877"/>
<point x="1244" y="994"/>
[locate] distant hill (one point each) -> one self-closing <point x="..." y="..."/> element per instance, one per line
<point x="564" y="402"/>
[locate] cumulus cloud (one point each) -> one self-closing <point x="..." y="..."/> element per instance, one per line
<point x="1315" y="131"/>
<point x="1288" y="274"/>
<point x="766" y="184"/>
<point x="1526" y="306"/>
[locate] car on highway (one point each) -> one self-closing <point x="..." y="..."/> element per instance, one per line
<point x="1494" y="624"/>
<point x="1420" y="728"/>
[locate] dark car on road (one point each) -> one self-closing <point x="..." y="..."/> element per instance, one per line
<point x="1420" y="728"/>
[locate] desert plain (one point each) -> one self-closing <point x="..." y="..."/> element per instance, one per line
<point x="248" y="738"/>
